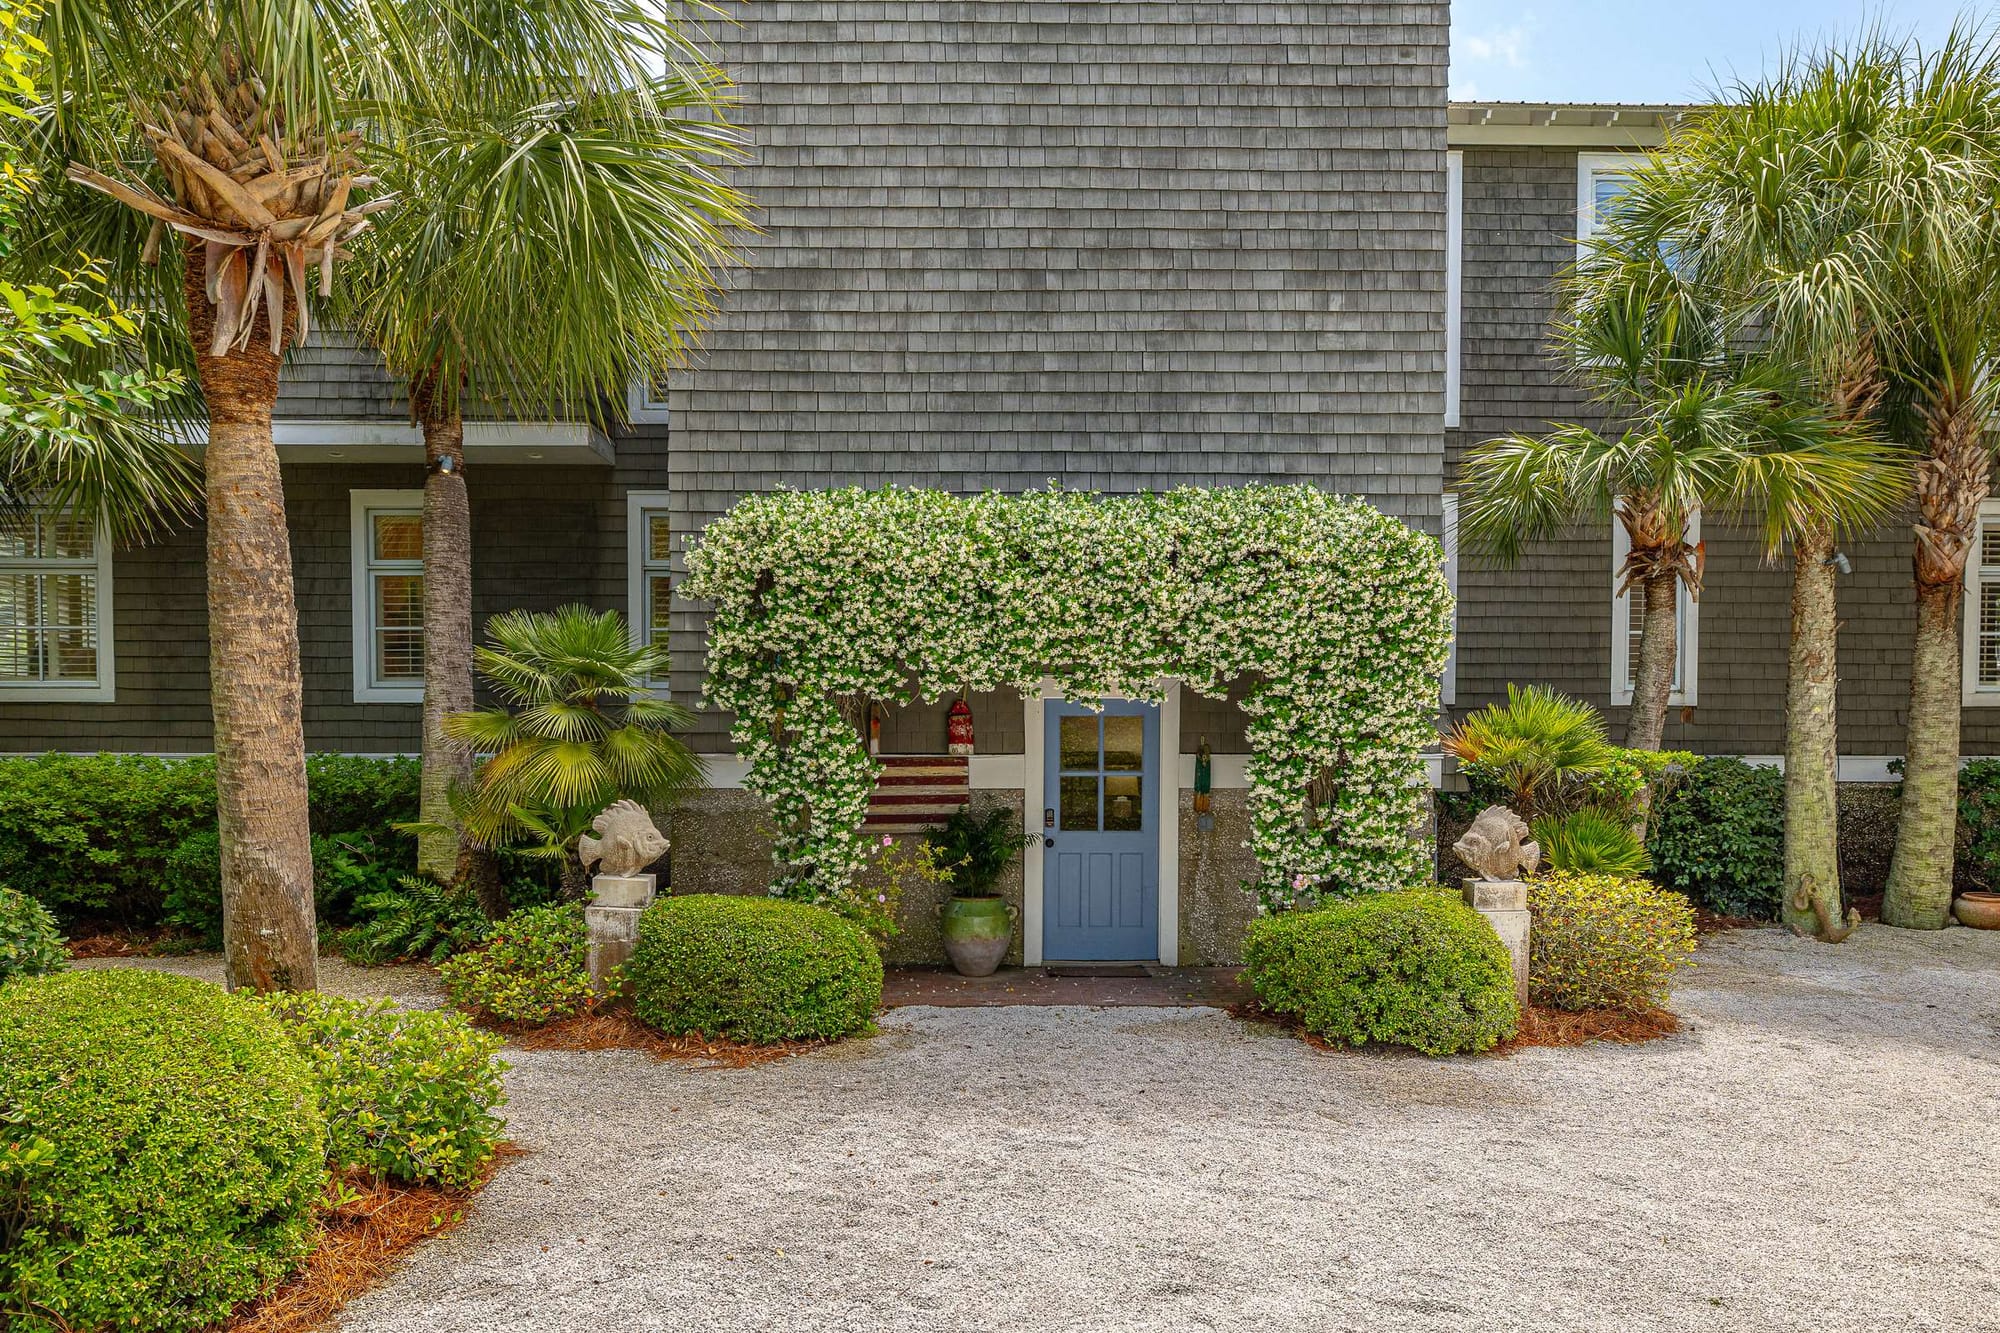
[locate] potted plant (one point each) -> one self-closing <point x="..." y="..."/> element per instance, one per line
<point x="1977" y="908"/>
<point x="978" y="923"/>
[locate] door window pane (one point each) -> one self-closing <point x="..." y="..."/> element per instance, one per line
<point x="1078" y="744"/>
<point x="1125" y="743"/>
<point x="1079" y="804"/>
<point x="1124" y="806"/>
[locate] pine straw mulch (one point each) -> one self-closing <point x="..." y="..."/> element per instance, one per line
<point x="159" y="942"/>
<point x="618" y="1029"/>
<point x="1539" y="1027"/>
<point x="359" y="1242"/>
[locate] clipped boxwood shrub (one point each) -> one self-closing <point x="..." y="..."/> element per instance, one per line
<point x="1721" y="838"/>
<point x="407" y="1093"/>
<point x="533" y="970"/>
<point x="1416" y="968"/>
<point x="753" y="970"/>
<point x="30" y="945"/>
<point x="1602" y="942"/>
<point x="161" y="1151"/>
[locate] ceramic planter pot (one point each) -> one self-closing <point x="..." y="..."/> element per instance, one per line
<point x="1979" y="910"/>
<point x="977" y="932"/>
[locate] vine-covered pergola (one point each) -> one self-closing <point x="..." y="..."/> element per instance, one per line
<point x="1336" y="617"/>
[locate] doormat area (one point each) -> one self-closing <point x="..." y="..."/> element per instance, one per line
<point x="1096" y="970"/>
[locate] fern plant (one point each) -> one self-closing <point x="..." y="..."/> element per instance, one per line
<point x="1591" y="841"/>
<point x="977" y="849"/>
<point x="418" y="919"/>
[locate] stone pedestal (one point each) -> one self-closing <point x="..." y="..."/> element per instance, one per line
<point x="1504" y="904"/>
<point x="612" y="920"/>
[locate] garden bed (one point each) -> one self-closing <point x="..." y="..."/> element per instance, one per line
<point x="1539" y="1027"/>
<point x="360" y="1241"/>
<point x="618" y="1029"/>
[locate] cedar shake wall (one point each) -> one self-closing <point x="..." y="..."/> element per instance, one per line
<point x="1549" y="619"/>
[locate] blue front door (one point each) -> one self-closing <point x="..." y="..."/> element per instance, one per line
<point x="1101" y="832"/>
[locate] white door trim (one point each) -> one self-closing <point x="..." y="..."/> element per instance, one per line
<point x="1034" y="801"/>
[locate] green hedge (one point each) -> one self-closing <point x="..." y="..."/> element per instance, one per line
<point x="753" y="969"/>
<point x="96" y="837"/>
<point x="532" y="970"/>
<point x="161" y="1152"/>
<point x="1605" y="942"/>
<point x="1720" y="838"/>
<point x="1417" y="968"/>
<point x="408" y="1093"/>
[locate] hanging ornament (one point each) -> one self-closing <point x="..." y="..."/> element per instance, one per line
<point x="958" y="728"/>
<point x="874" y="728"/>
<point x="1204" y="783"/>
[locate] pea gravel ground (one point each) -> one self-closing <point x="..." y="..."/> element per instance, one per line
<point x="1815" y="1152"/>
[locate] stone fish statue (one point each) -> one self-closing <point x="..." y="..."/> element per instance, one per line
<point x="627" y="841"/>
<point x="1496" y="847"/>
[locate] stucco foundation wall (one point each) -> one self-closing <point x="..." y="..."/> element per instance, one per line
<point x="1215" y="909"/>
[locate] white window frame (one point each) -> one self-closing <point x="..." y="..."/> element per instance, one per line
<point x="641" y="407"/>
<point x="1687" y="644"/>
<point x="1454" y="279"/>
<point x="1448" y="688"/>
<point x="104" y="689"/>
<point x="1589" y="166"/>
<point x="638" y="600"/>
<point x="1975" y="694"/>
<point x="361" y="504"/>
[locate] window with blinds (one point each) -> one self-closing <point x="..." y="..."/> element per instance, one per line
<point x="389" y="596"/>
<point x="1982" y="611"/>
<point x="54" y="612"/>
<point x="650" y="534"/>
<point x="1628" y="614"/>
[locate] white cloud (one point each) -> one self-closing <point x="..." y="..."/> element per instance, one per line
<point x="1507" y="47"/>
<point x="1467" y="91"/>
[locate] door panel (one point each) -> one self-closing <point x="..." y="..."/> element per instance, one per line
<point x="1101" y="868"/>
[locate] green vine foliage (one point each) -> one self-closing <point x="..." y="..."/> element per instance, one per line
<point x="1336" y="616"/>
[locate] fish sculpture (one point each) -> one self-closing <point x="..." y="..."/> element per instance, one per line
<point x="626" y="841"/>
<point x="1496" y="847"/>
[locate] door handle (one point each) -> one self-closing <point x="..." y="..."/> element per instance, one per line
<point x="1048" y="842"/>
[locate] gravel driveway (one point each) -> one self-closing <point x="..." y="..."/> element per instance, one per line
<point x="1815" y="1152"/>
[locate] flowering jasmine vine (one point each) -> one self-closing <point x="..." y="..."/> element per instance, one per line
<point x="1336" y="616"/>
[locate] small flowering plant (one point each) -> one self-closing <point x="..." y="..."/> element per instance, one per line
<point x="871" y="900"/>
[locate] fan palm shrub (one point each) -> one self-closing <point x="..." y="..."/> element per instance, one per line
<point x="576" y="729"/>
<point x="545" y="253"/>
<point x="1593" y="841"/>
<point x="1538" y="747"/>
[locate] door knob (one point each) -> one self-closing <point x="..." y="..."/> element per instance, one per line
<point x="1048" y="842"/>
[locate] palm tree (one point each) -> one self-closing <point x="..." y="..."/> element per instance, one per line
<point x="230" y="133"/>
<point x="1758" y="197"/>
<point x="576" y="730"/>
<point x="542" y="256"/>
<point x="1704" y="427"/>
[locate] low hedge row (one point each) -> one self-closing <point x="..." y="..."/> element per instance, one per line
<point x="114" y="837"/>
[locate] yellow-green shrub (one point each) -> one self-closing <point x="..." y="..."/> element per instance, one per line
<point x="1602" y="942"/>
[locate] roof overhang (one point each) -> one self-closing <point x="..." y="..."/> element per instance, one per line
<point x="306" y="440"/>
<point x="1609" y="125"/>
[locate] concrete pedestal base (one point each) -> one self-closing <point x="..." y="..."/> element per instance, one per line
<point x="612" y="921"/>
<point x="1504" y="904"/>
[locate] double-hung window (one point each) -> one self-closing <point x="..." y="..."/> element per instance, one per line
<point x="1982" y="612"/>
<point x="388" y="537"/>
<point x="55" y="607"/>
<point x="649" y="535"/>
<point x="1628" y="614"/>
<point x="1600" y="179"/>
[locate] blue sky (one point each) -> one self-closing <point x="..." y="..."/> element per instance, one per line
<point x="1625" y="51"/>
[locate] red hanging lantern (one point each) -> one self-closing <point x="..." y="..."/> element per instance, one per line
<point x="958" y="728"/>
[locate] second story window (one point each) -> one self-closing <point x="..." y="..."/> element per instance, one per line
<point x="388" y="534"/>
<point x="55" y="607"/>
<point x="1600" y="179"/>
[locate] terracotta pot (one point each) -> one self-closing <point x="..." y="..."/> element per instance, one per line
<point x="1979" y="910"/>
<point x="977" y="932"/>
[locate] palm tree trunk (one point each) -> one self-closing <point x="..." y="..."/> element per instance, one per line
<point x="1812" y="752"/>
<point x="1653" y="680"/>
<point x="270" y="939"/>
<point x="447" y="640"/>
<point x="1951" y="485"/>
